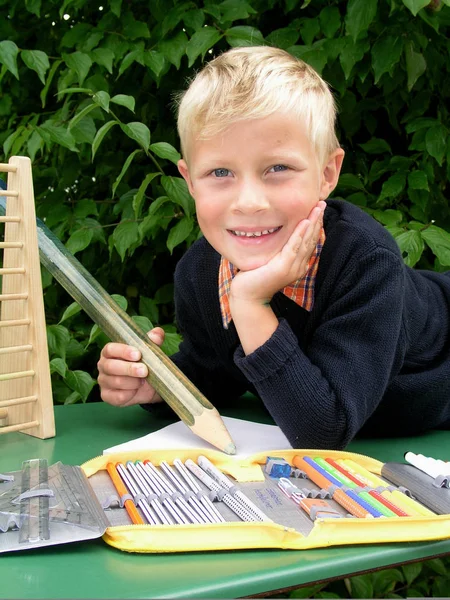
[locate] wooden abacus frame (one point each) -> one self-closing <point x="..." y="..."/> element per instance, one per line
<point x="26" y="402"/>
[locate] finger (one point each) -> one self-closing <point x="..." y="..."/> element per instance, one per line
<point x="122" y="368"/>
<point x="157" y="335"/>
<point x="118" y="398"/>
<point x="122" y="351"/>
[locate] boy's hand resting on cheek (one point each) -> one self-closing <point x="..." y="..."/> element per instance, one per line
<point x="251" y="291"/>
<point x="122" y="378"/>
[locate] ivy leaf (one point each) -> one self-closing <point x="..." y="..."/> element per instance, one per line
<point x="175" y="48"/>
<point x="201" y="42"/>
<point x="194" y="19"/>
<point x="348" y="180"/>
<point x="283" y="38"/>
<point x="411" y="244"/>
<point x="439" y="241"/>
<point x="165" y="150"/>
<point x="418" y="180"/>
<point x="155" y="61"/>
<point x="58" y="365"/>
<point x="415" y="65"/>
<point x="179" y="233"/>
<point x="72" y="310"/>
<point x="138" y="198"/>
<point x="171" y="343"/>
<point x="102" y="99"/>
<point x="80" y="382"/>
<point x="243" y="35"/>
<point x="125" y="236"/>
<point x="33" y="6"/>
<point x="139" y="132"/>
<point x="48" y="83"/>
<point x="235" y="10"/>
<point x="103" y="57"/>
<point x="360" y="14"/>
<point x="100" y="135"/>
<point x="81" y="115"/>
<point x="435" y="142"/>
<point x="415" y="5"/>
<point x="57" y="134"/>
<point x="388" y="217"/>
<point x="177" y="190"/>
<point x="376" y="146"/>
<point x="351" y="53"/>
<point x="80" y="63"/>
<point x="124" y="100"/>
<point x="8" y="56"/>
<point x="393" y="187"/>
<point x="36" y="60"/>
<point x="386" y="53"/>
<point x="330" y="20"/>
<point x="143" y="323"/>
<point x="124" y="170"/>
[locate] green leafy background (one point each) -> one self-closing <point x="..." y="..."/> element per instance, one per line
<point x="87" y="92"/>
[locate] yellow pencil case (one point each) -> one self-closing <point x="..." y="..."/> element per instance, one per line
<point x="81" y="503"/>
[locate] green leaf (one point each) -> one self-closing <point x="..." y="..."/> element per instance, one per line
<point x="102" y="99"/>
<point x="235" y="10"/>
<point x="37" y="61"/>
<point x="165" y="150"/>
<point x="155" y="61"/>
<point x="415" y="5"/>
<point x="411" y="244"/>
<point x="201" y="42"/>
<point x="315" y="55"/>
<point x="418" y="180"/>
<point x="8" y="56"/>
<point x="34" y="144"/>
<point x="139" y="132"/>
<point x="175" y="48"/>
<point x="439" y="241"/>
<point x="411" y="571"/>
<point x="194" y="19"/>
<point x="376" y="146"/>
<point x="115" y="6"/>
<point x="81" y="382"/>
<point x="330" y="20"/>
<point x="79" y="240"/>
<point x="103" y="57"/>
<point x="100" y="135"/>
<point x="177" y="190"/>
<point x="75" y="90"/>
<point x="171" y="343"/>
<point x="386" y="53"/>
<point x="244" y="35"/>
<point x="179" y="232"/>
<point x="120" y="300"/>
<point x="393" y="187"/>
<point x="435" y="142"/>
<point x="360" y="14"/>
<point x="81" y="115"/>
<point x="415" y="65"/>
<point x="125" y="167"/>
<point x="348" y="180"/>
<point x="360" y="586"/>
<point x="72" y="310"/>
<point x="84" y="131"/>
<point x="80" y="63"/>
<point x="125" y="236"/>
<point x="143" y="323"/>
<point x="58" y="338"/>
<point x="33" y="6"/>
<point x="85" y="207"/>
<point x="58" y="365"/>
<point x="124" y="100"/>
<point x="48" y="83"/>
<point x="283" y="38"/>
<point x="58" y="134"/>
<point x="388" y="217"/>
<point x="139" y="197"/>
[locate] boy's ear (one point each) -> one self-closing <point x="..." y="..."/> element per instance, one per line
<point x="184" y="171"/>
<point x="330" y="173"/>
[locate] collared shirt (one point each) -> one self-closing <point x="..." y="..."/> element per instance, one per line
<point x="301" y="291"/>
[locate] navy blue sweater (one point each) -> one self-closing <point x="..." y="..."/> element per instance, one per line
<point x="374" y="352"/>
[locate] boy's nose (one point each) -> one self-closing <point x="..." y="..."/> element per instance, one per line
<point x="250" y="198"/>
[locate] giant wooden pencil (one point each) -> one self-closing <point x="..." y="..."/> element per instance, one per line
<point x="171" y="384"/>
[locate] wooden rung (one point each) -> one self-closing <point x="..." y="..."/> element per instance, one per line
<point x="14" y="349"/>
<point x="10" y="193"/>
<point x="4" y="297"/>
<point x="3" y="413"/>
<point x="19" y="427"/>
<point x="6" y="168"/>
<point x="10" y="219"/>
<point x="11" y="244"/>
<point x="17" y="401"/>
<point x="17" y="375"/>
<point x="12" y="271"/>
<point x="15" y="322"/>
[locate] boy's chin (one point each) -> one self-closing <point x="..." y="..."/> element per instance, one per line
<point x="250" y="264"/>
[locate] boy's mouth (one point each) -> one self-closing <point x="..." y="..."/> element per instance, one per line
<point x="250" y="234"/>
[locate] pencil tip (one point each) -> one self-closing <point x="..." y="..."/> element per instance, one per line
<point x="230" y="449"/>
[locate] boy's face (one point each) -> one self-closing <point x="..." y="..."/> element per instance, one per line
<point x="253" y="184"/>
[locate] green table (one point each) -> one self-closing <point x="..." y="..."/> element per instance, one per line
<point x="96" y="570"/>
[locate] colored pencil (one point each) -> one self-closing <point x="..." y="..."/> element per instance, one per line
<point x="123" y="491"/>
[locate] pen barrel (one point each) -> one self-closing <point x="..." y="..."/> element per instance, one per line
<point x="172" y="385"/>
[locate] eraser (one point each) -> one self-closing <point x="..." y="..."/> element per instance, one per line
<point x="277" y="467"/>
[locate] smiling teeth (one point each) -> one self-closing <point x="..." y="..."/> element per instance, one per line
<point x="254" y="233"/>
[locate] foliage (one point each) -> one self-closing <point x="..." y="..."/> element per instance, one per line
<point x="429" y="579"/>
<point x="87" y="91"/>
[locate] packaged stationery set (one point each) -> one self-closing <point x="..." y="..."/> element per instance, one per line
<point x="191" y="500"/>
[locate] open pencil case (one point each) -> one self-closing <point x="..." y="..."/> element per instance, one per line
<point x="42" y="506"/>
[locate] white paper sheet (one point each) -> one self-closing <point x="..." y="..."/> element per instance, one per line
<point x="249" y="438"/>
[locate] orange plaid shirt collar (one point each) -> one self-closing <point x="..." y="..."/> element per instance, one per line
<point x="301" y="291"/>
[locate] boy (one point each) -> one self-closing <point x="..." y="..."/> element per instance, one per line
<point x="306" y="303"/>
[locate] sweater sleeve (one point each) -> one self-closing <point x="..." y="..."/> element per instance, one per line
<point x="321" y="393"/>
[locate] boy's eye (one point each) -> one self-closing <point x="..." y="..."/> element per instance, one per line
<point x="221" y="172"/>
<point x="278" y="168"/>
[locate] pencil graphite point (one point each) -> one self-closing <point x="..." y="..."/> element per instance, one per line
<point x="230" y="449"/>
<point x="210" y="427"/>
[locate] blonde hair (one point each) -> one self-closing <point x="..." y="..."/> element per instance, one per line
<point x="252" y="83"/>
